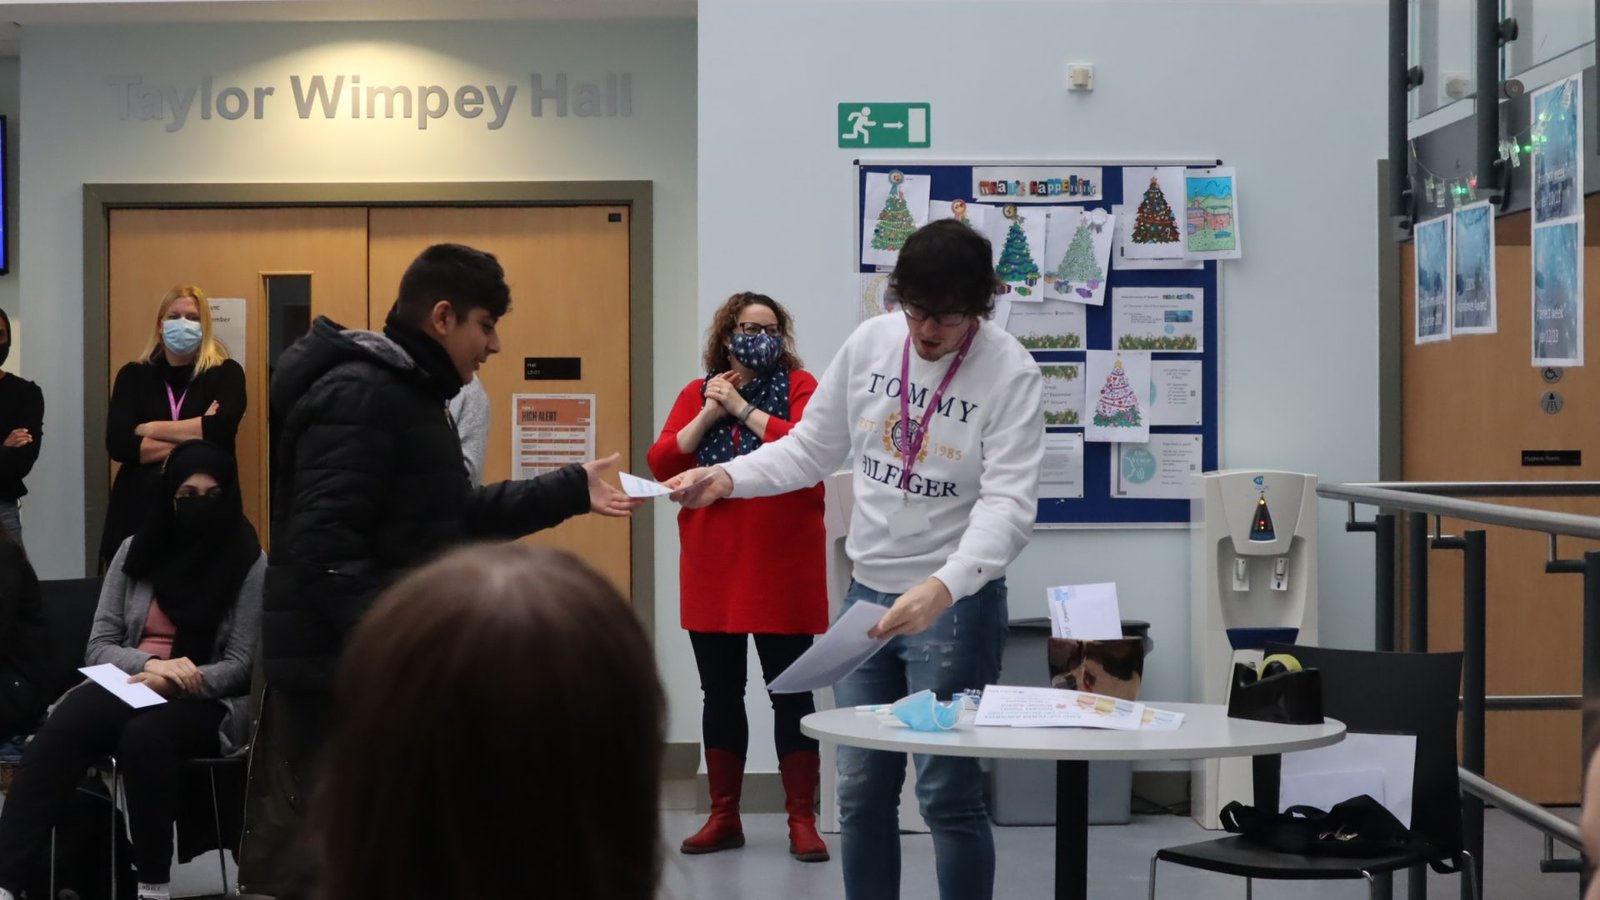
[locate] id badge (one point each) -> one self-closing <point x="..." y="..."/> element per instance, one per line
<point x="909" y="519"/>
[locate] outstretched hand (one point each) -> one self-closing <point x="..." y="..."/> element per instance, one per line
<point x="700" y="487"/>
<point x="604" y="498"/>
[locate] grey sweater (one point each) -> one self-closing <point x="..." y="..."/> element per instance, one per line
<point x="119" y="623"/>
<point x="470" y="411"/>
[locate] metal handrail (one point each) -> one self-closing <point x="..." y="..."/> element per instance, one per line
<point x="1547" y="521"/>
<point x="1487" y="488"/>
<point x="1518" y="808"/>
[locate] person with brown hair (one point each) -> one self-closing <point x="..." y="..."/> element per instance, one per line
<point x="499" y="702"/>
<point x="752" y="568"/>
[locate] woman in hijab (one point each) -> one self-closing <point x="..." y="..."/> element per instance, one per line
<point x="179" y="612"/>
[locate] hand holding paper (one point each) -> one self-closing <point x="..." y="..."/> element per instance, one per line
<point x="634" y="486"/>
<point x="836" y="654"/>
<point x="115" y="680"/>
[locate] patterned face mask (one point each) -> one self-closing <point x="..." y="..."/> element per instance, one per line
<point x="760" y="352"/>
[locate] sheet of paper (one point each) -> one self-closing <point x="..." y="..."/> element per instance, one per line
<point x="1162" y="319"/>
<point x="1016" y="238"/>
<point x="1558" y="294"/>
<point x="1472" y="294"/>
<point x="975" y="215"/>
<point x="1119" y="255"/>
<point x="1432" y="263"/>
<point x="549" y="431"/>
<point x="115" y="680"/>
<point x="1556" y="126"/>
<point x="1116" y="396"/>
<point x="1211" y="213"/>
<point x="634" y="486"/>
<point x="1177" y="392"/>
<point x="1354" y="766"/>
<point x="1085" y="612"/>
<point x="1160" y="719"/>
<point x="1051" y="325"/>
<point x="1153" y="196"/>
<point x="1162" y="469"/>
<point x="837" y="653"/>
<point x="230" y="324"/>
<point x="895" y="205"/>
<point x="1077" y="254"/>
<point x="1061" y="471"/>
<point x="1062" y="393"/>
<point x="1031" y="707"/>
<point x="873" y="290"/>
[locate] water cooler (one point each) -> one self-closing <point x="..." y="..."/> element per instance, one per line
<point x="1253" y="561"/>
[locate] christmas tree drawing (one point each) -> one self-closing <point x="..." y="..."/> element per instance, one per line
<point x="1016" y="260"/>
<point x="1079" y="266"/>
<point x="1118" y="407"/>
<point x="894" y="220"/>
<point x="1154" y="223"/>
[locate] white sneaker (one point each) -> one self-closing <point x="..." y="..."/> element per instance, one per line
<point x="151" y="891"/>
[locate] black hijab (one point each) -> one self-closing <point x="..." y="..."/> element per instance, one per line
<point x="195" y="552"/>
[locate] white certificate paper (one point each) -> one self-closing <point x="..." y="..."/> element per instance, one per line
<point x="835" y="654"/>
<point x="634" y="486"/>
<point x="1030" y="707"/>
<point x="1085" y="612"/>
<point x="115" y="680"/>
<point x="1162" y="469"/>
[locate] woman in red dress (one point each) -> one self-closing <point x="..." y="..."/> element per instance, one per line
<point x="748" y="567"/>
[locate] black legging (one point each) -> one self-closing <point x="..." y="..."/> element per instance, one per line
<point x="720" y="658"/>
<point x="150" y="745"/>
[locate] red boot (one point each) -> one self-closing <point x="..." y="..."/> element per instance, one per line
<point x="722" y="831"/>
<point x="801" y="771"/>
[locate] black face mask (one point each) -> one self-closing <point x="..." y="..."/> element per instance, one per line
<point x="5" y="351"/>
<point x="196" y="514"/>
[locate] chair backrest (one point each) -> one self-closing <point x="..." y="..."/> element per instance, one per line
<point x="68" y="607"/>
<point x="1375" y="692"/>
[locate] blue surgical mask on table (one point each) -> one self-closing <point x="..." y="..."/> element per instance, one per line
<point x="180" y="335"/>
<point x="761" y="352"/>
<point x="922" y="711"/>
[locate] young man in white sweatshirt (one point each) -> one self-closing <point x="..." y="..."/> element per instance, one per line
<point x="939" y="409"/>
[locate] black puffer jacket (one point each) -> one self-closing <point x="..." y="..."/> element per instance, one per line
<point x="369" y="484"/>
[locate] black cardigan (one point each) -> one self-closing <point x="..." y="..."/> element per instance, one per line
<point x="139" y="396"/>
<point x="21" y="406"/>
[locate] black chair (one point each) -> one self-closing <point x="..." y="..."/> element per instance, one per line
<point x="1372" y="693"/>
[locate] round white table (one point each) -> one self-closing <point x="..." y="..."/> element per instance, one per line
<point x="1206" y="732"/>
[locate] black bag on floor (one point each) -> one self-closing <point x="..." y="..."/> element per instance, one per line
<point x="1358" y="827"/>
<point x="84" y="835"/>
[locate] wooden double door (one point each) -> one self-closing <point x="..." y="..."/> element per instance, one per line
<point x="281" y="267"/>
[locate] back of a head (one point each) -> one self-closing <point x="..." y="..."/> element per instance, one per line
<point x="947" y="267"/>
<point x="467" y="277"/>
<point x="499" y="702"/>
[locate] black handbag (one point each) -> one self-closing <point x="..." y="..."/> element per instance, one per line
<point x="1358" y="827"/>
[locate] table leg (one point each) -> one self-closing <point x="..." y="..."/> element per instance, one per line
<point x="1072" y="829"/>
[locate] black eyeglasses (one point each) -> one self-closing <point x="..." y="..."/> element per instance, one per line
<point x="752" y="329"/>
<point x="943" y="320"/>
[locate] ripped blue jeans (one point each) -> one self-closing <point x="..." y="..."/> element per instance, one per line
<point x="961" y="651"/>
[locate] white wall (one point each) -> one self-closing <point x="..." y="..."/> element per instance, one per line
<point x="75" y="135"/>
<point x="1289" y="92"/>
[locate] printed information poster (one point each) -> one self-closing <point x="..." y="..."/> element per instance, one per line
<point x="1163" y="469"/>
<point x="550" y="431"/>
<point x="229" y="324"/>
<point x="1061" y="473"/>
<point x="1558" y="294"/>
<point x="1161" y="320"/>
<point x="1176" y="391"/>
<point x="1556" y="129"/>
<point x="1472" y="299"/>
<point x="1051" y="325"/>
<point x="1432" y="240"/>
<point x="1062" y="393"/>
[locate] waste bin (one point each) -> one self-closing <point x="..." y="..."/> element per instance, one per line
<point x="1023" y="791"/>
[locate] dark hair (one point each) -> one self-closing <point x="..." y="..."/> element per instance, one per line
<point x="468" y="278"/>
<point x="499" y="702"/>
<point x="726" y="320"/>
<point x="947" y="267"/>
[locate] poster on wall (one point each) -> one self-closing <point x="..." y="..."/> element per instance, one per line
<point x="873" y="291"/>
<point x="1077" y="254"/>
<point x="1119" y="249"/>
<point x="1472" y="300"/>
<point x="896" y="204"/>
<point x="1159" y="319"/>
<point x="1116" y="401"/>
<point x="1176" y="392"/>
<point x="1558" y="294"/>
<point x="1050" y="325"/>
<point x="1062" y="393"/>
<point x="1211" y="214"/>
<point x="1433" y="280"/>
<point x="1016" y="238"/>
<point x="1557" y="129"/>
<point x="230" y="325"/>
<point x="1061" y="470"/>
<point x="1152" y="194"/>
<point x="549" y="431"/>
<point x="1162" y="469"/>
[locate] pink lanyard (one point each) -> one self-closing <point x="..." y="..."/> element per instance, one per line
<point x="911" y="443"/>
<point x="175" y="401"/>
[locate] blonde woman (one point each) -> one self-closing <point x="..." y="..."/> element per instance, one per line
<point x="182" y="387"/>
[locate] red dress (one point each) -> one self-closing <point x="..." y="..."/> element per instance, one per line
<point x="753" y="566"/>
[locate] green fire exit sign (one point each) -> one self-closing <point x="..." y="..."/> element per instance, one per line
<point x="865" y="126"/>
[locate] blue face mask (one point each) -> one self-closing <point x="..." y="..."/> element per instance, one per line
<point x="760" y="352"/>
<point x="180" y="335"/>
<point x="923" y="712"/>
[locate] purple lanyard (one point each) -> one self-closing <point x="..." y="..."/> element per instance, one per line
<point x="912" y="443"/>
<point x="175" y="401"/>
